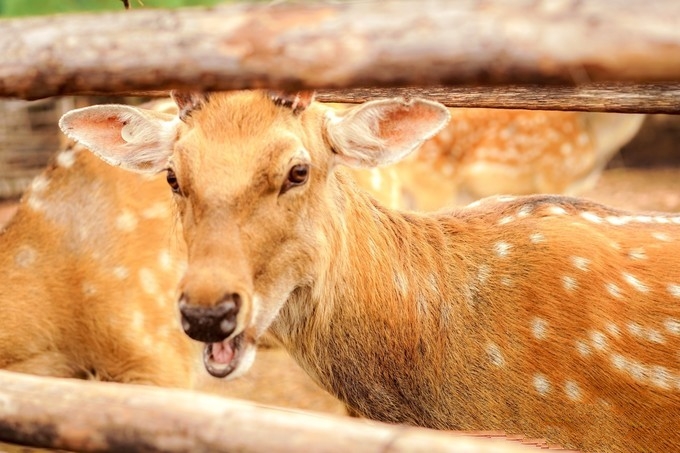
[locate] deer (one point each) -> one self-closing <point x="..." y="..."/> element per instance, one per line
<point x="544" y="316"/>
<point x="89" y="264"/>
<point x="485" y="152"/>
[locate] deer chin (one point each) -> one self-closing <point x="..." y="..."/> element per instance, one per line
<point x="226" y="357"/>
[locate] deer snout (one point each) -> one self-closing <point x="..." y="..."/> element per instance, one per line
<point x="210" y="324"/>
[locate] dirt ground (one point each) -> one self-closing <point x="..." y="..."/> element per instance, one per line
<point x="277" y="380"/>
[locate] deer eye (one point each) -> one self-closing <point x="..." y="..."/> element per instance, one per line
<point x="297" y="175"/>
<point x="172" y="181"/>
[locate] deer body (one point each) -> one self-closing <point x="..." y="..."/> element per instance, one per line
<point x="89" y="270"/>
<point x="542" y="316"/>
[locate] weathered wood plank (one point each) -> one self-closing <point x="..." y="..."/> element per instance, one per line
<point x="94" y="416"/>
<point x="598" y="97"/>
<point x="343" y="45"/>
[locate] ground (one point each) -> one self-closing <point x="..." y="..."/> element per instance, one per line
<point x="277" y="380"/>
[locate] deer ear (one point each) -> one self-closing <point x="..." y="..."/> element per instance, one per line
<point x="188" y="101"/>
<point x="382" y="132"/>
<point x="296" y="101"/>
<point x="135" y="139"/>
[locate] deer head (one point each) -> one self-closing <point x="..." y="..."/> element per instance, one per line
<point x="253" y="176"/>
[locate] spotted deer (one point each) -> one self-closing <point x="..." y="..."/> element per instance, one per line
<point x="484" y="152"/>
<point x="89" y="264"/>
<point x="543" y="316"/>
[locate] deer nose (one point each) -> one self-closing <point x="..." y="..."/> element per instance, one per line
<point x="210" y="324"/>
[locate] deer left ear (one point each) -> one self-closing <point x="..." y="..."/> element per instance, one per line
<point x="297" y="101"/>
<point x="383" y="132"/>
<point x="132" y="138"/>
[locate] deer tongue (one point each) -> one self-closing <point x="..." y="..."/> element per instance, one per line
<point x="222" y="352"/>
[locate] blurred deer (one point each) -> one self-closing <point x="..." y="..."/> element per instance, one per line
<point x="484" y="152"/>
<point x="89" y="266"/>
<point x="545" y="316"/>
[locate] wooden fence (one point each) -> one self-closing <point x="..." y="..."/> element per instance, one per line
<point x="617" y="55"/>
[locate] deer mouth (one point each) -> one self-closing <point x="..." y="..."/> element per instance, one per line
<point x="222" y="358"/>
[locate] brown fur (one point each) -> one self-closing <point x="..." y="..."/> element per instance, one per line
<point x="89" y="264"/>
<point x="543" y="316"/>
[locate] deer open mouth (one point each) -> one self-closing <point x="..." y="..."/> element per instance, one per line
<point x="222" y="358"/>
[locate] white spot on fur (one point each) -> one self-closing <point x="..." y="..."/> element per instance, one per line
<point x="165" y="260"/>
<point x="569" y="283"/>
<point x="572" y="390"/>
<point x="580" y="263"/>
<point x="672" y="326"/>
<point x="432" y="280"/>
<point x="66" y="159"/>
<point x="589" y="216"/>
<point x="557" y="210"/>
<point x="637" y="370"/>
<point x="598" y="340"/>
<point x="583" y="348"/>
<point x="643" y="218"/>
<point x="619" y="361"/>
<point x="39" y="184"/>
<point x="138" y="320"/>
<point x="121" y="272"/>
<point x="505" y="220"/>
<point x="618" y="221"/>
<point x="635" y="283"/>
<point x="637" y="254"/>
<point x="613" y="289"/>
<point x="661" y="236"/>
<point x="524" y="211"/>
<point x="495" y="354"/>
<point x="156" y="211"/>
<point x="502" y="249"/>
<point x="483" y="273"/>
<point x="25" y="256"/>
<point x="126" y="221"/>
<point x="148" y="281"/>
<point x="612" y="329"/>
<point x="662" y="219"/>
<point x="400" y="283"/>
<point x="506" y="281"/>
<point x="36" y="203"/>
<point x="541" y="384"/>
<point x="537" y="238"/>
<point x="539" y="328"/>
<point x="661" y="377"/>
<point x="376" y="179"/>
<point x="654" y="336"/>
<point x="673" y="290"/>
<point x="635" y="329"/>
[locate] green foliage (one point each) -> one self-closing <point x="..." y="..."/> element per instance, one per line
<point x="17" y="8"/>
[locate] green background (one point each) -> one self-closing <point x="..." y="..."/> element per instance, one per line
<point x="17" y="8"/>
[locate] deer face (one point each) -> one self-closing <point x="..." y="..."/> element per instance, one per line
<point x="252" y="174"/>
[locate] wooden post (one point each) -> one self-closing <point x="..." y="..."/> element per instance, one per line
<point x="94" y="416"/>
<point x="342" y="45"/>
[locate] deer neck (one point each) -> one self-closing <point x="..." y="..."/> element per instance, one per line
<point x="365" y="327"/>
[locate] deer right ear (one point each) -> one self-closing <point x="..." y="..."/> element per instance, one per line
<point x="135" y="139"/>
<point x="383" y="132"/>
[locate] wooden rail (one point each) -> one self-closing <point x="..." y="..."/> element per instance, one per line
<point x="361" y="44"/>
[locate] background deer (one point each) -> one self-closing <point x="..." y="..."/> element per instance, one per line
<point x="544" y="316"/>
<point x="484" y="152"/>
<point x="89" y="265"/>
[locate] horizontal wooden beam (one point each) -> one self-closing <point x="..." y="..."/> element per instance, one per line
<point x="343" y="45"/>
<point x="94" y="416"/>
<point x="594" y="97"/>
